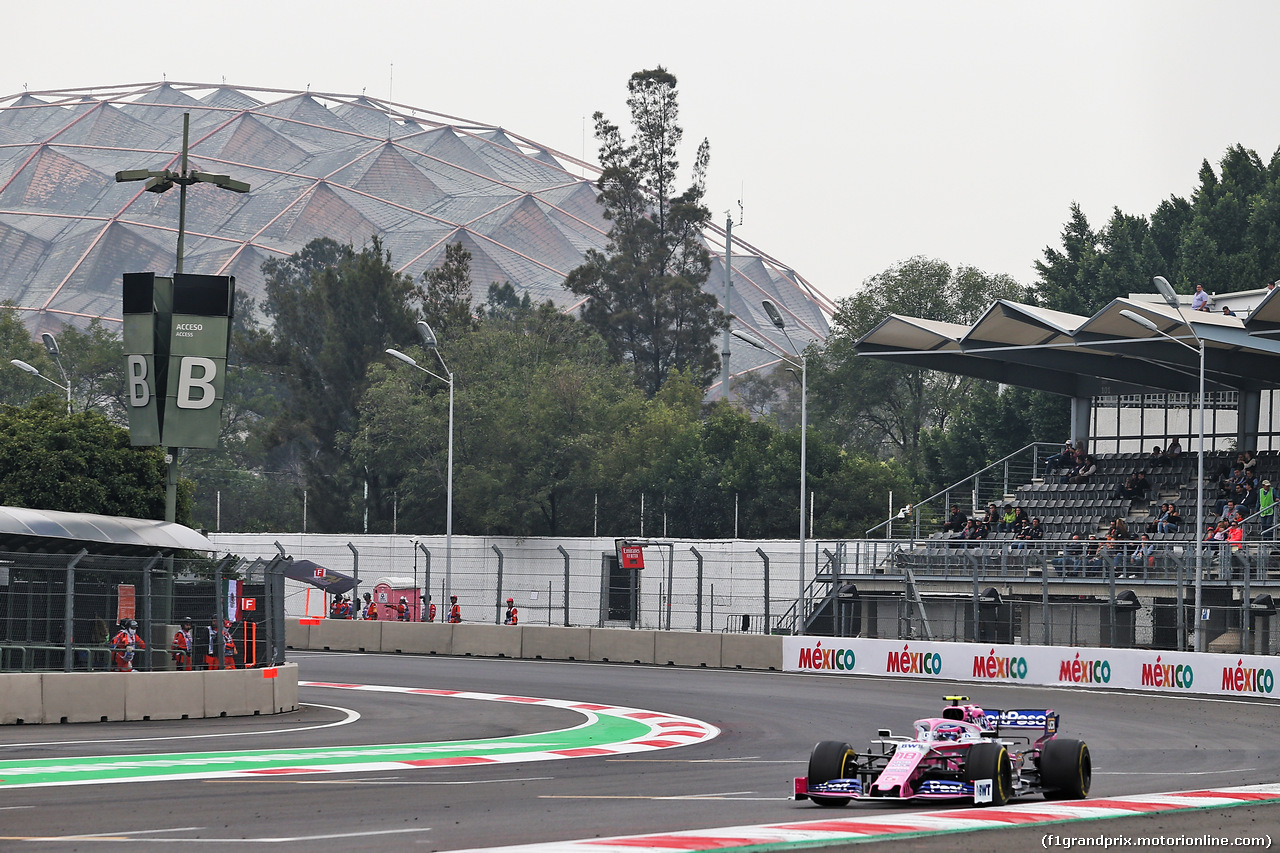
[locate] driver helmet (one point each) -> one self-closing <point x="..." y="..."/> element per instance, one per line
<point x="947" y="732"/>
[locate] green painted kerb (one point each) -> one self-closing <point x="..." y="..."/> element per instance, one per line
<point x="599" y="731"/>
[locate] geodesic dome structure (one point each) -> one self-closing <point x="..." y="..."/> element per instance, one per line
<point x="320" y="165"/>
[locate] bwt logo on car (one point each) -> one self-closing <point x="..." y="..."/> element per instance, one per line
<point x="820" y="658"/>
<point x="1079" y="671"/>
<point x="1241" y="679"/>
<point x="990" y="666"/>
<point x="908" y="662"/>
<point x="1167" y="675"/>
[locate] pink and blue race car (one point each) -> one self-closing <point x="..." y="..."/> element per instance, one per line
<point x="980" y="755"/>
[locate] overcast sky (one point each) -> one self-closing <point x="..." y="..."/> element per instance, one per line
<point x="857" y="134"/>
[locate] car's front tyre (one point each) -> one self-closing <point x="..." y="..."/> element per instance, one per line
<point x="991" y="761"/>
<point x="830" y="759"/>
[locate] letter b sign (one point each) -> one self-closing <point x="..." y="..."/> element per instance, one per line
<point x="195" y="382"/>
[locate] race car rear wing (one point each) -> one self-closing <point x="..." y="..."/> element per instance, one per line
<point x="1045" y="720"/>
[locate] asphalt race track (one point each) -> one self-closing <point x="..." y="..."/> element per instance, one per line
<point x="768" y="723"/>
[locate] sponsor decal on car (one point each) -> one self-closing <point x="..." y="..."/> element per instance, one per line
<point x="1242" y="679"/>
<point x="1167" y="674"/>
<point x="1030" y="719"/>
<point x="993" y="666"/>
<point x="908" y="662"/>
<point x="1076" y="671"/>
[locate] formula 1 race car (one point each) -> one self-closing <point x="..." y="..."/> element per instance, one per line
<point x="966" y="754"/>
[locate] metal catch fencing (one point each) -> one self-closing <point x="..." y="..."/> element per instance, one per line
<point x="67" y="613"/>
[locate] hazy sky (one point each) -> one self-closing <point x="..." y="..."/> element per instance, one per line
<point x="857" y="134"/>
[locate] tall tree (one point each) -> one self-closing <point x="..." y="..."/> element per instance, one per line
<point x="335" y="310"/>
<point x="79" y="463"/>
<point x="644" y="293"/>
<point x="883" y="408"/>
<point x="446" y="303"/>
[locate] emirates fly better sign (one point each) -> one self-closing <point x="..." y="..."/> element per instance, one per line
<point x="176" y="334"/>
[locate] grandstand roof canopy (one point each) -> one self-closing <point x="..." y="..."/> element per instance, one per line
<point x="1105" y="354"/>
<point x="320" y="165"/>
<point x="46" y="531"/>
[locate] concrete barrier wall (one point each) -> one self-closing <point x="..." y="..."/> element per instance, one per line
<point x="492" y="641"/>
<point x="91" y="697"/>
<point x="417" y="638"/>
<point x="543" y="642"/>
<point x="20" y="700"/>
<point x="681" y="649"/>
<point x="751" y="651"/>
<point x="622" y="646"/>
<point x="549" y="642"/>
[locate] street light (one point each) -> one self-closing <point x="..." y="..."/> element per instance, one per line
<point x="1171" y="298"/>
<point x="776" y="318"/>
<point x="430" y="342"/>
<point x="22" y="365"/>
<point x="159" y="181"/>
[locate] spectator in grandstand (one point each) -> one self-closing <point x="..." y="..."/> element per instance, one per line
<point x="992" y="518"/>
<point x="1228" y="510"/>
<point x="1142" y="557"/>
<point x="1063" y="460"/>
<point x="1250" y="464"/>
<point x="1266" y="507"/>
<point x="1174" y="450"/>
<point x="1170" y="522"/>
<point x="956" y="521"/>
<point x="1021" y="521"/>
<point x="1134" y="488"/>
<point x="1095" y="557"/>
<point x="1032" y="532"/>
<point x="1082" y="472"/>
<point x="1248" y="502"/>
<point x="1235" y="535"/>
<point x="1007" y="519"/>
<point x="1070" y="561"/>
<point x="1200" y="301"/>
<point x="1119" y="529"/>
<point x="1157" y="459"/>
<point x="1226" y="309"/>
<point x="1153" y="523"/>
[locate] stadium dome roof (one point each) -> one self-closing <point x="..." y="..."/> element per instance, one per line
<point x="320" y="165"/>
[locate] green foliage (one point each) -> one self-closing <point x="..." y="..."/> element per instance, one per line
<point x="335" y="310"/>
<point x="644" y="294"/>
<point x="446" y="303"/>
<point x="79" y="463"/>
<point x="884" y="409"/>
<point x="1226" y="237"/>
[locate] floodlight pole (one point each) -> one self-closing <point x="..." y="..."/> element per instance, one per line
<point x="160" y="181"/>
<point x="429" y="340"/>
<point x="1166" y="291"/>
<point x="803" y="364"/>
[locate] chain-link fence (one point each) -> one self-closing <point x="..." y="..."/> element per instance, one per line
<point x="82" y="612"/>
<point x="1044" y="593"/>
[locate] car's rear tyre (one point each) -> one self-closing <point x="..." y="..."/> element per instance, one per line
<point x="830" y="759"/>
<point x="1066" y="769"/>
<point x="990" y="761"/>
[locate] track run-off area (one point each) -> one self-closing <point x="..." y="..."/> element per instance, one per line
<point x="396" y="752"/>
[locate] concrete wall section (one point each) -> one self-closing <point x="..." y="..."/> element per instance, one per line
<point x="687" y="649"/>
<point x="225" y="693"/>
<point x="83" y="697"/>
<point x="285" y="687"/>
<point x="163" y="695"/>
<point x="751" y="651"/>
<point x="20" y="698"/>
<point x="494" y="641"/>
<point x="549" y="642"/>
<point x="613" y="644"/>
<point x="418" y="638"/>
